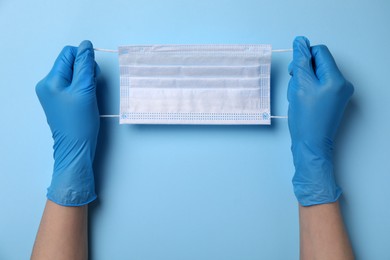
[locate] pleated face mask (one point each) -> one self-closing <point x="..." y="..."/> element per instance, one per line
<point x="195" y="84"/>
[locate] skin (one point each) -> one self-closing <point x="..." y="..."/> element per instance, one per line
<point x="62" y="234"/>
<point x="322" y="233"/>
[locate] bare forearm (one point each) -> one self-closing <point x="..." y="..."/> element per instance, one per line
<point x="322" y="233"/>
<point x="62" y="233"/>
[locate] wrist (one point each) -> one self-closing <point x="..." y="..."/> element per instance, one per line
<point x="314" y="180"/>
<point x="72" y="186"/>
<point x="73" y="178"/>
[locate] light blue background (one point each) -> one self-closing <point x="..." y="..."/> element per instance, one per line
<point x="194" y="192"/>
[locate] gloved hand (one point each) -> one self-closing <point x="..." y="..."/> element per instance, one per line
<point x="68" y="97"/>
<point x="317" y="94"/>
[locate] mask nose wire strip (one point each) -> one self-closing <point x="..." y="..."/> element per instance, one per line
<point x="108" y="116"/>
<point x="116" y="51"/>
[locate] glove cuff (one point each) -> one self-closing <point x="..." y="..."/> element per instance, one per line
<point x="314" y="181"/>
<point x="72" y="187"/>
<point x="314" y="195"/>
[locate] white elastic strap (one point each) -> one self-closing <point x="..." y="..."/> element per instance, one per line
<point x="282" y="50"/>
<point x="116" y="51"/>
<point x="279" y="117"/>
<point x="109" y="115"/>
<point x="105" y="50"/>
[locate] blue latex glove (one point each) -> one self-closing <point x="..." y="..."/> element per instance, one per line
<point x="317" y="94"/>
<point x="68" y="97"/>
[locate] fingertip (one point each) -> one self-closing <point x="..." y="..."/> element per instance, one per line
<point x="301" y="47"/>
<point x="299" y="44"/>
<point x="321" y="51"/>
<point x="323" y="57"/>
<point x="302" y="58"/>
<point x="85" y="54"/>
<point x="85" y="49"/>
<point x="325" y="65"/>
<point x="85" y="65"/>
<point x="63" y="65"/>
<point x="301" y="40"/>
<point x="66" y="56"/>
<point x="69" y="49"/>
<point x="86" y="44"/>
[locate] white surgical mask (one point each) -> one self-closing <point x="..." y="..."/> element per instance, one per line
<point x="195" y="84"/>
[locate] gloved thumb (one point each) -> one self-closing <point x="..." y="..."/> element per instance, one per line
<point x="84" y="66"/>
<point x="302" y="58"/>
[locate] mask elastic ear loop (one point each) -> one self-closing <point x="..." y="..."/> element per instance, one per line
<point x="279" y="117"/>
<point x="105" y="116"/>
<point x="105" y="50"/>
<point x="282" y="50"/>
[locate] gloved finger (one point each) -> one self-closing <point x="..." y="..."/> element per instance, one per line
<point x="63" y="66"/>
<point x="290" y="68"/>
<point x="325" y="66"/>
<point x="97" y="70"/>
<point x="302" y="58"/>
<point x="290" y="91"/>
<point x="84" y="66"/>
